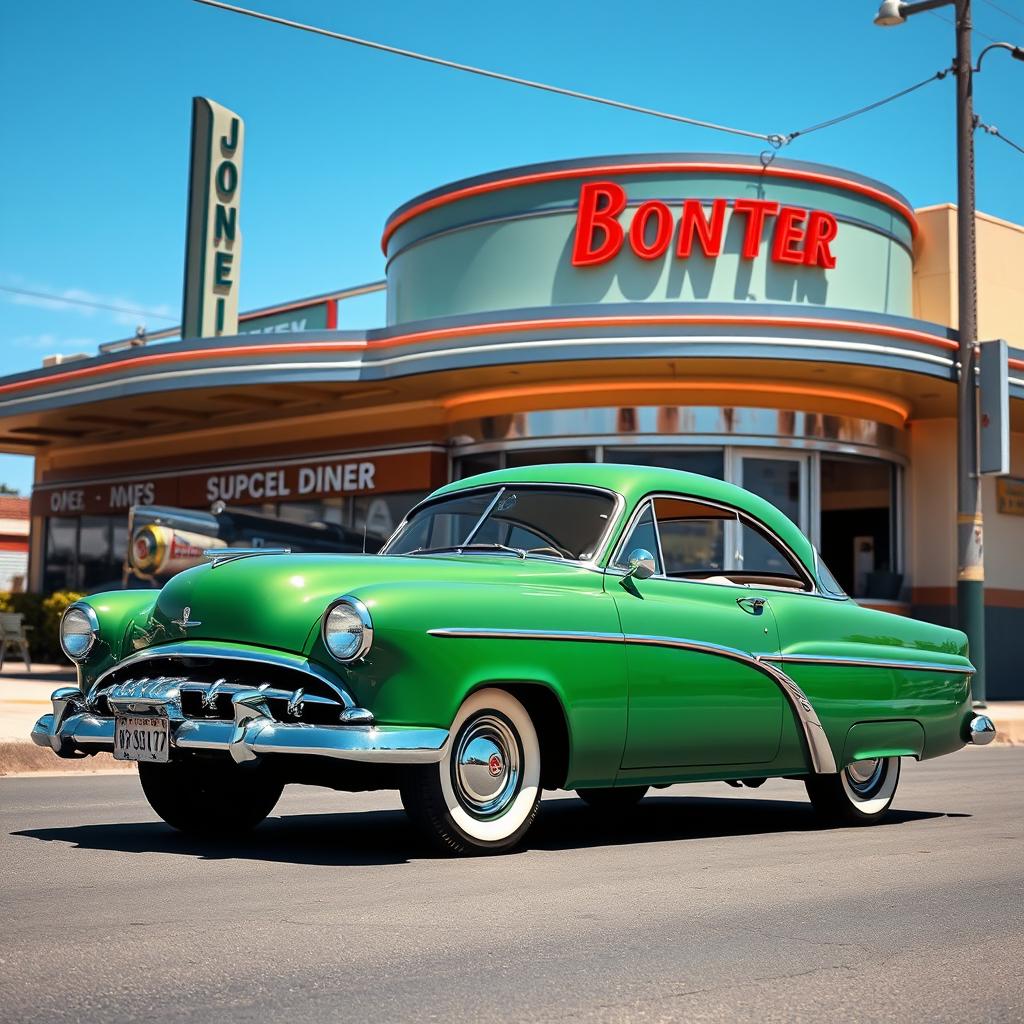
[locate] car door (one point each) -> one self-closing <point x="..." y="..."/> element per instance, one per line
<point x="696" y="693"/>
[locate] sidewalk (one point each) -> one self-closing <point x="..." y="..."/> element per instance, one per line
<point x="24" y="696"/>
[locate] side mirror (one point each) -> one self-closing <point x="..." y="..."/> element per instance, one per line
<point x="641" y="564"/>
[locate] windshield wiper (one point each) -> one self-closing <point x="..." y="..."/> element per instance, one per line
<point x="468" y="547"/>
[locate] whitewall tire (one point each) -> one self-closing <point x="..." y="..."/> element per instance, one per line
<point x="859" y="794"/>
<point x="482" y="797"/>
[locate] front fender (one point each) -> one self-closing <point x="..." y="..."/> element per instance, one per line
<point x="411" y="677"/>
<point x="122" y="616"/>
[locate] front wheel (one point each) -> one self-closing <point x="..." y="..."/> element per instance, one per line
<point x="860" y="794"/>
<point x="207" y="796"/>
<point x="482" y="796"/>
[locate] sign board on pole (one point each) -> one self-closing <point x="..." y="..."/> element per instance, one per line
<point x="213" y="243"/>
<point x="994" y="408"/>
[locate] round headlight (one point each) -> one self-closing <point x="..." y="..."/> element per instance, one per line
<point x="79" y="629"/>
<point x="347" y="629"/>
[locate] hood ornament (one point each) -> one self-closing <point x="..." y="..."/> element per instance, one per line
<point x="184" y="621"/>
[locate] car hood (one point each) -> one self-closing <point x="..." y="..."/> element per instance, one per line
<point x="277" y="601"/>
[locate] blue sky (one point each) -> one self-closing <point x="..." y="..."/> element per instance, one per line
<point x="94" y="162"/>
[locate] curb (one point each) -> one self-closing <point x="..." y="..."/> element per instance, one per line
<point x="20" y="758"/>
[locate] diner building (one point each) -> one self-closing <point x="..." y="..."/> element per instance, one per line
<point x="787" y="327"/>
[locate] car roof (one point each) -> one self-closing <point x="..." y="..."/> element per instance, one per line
<point x="635" y="482"/>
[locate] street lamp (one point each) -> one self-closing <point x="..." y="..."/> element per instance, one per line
<point x="892" y="12"/>
<point x="1016" y="52"/>
<point x="970" y="583"/>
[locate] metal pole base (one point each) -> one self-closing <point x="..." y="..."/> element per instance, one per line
<point x="970" y="607"/>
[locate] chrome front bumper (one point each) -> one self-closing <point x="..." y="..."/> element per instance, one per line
<point x="74" y="731"/>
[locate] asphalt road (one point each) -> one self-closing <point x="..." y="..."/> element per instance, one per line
<point x="708" y="904"/>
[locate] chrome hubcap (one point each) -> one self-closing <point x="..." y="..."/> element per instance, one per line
<point x="864" y="776"/>
<point x="486" y="766"/>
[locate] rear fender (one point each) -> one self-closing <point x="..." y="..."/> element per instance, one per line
<point x="896" y="738"/>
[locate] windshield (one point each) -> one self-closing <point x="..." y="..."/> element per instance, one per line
<point x="545" y="521"/>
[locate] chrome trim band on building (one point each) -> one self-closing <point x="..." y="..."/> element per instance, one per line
<point x="822" y="759"/>
<point x="849" y="662"/>
<point x="224" y="652"/>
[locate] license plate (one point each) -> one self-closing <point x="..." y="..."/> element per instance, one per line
<point x="142" y="739"/>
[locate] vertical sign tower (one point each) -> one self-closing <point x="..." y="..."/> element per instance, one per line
<point x="213" y="242"/>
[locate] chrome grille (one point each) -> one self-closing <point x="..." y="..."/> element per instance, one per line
<point x="202" y="689"/>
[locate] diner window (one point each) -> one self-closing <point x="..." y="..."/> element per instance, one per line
<point x="858" y="526"/>
<point x="61" y="554"/>
<point x="547" y="456"/>
<point x="471" y="465"/>
<point x="85" y="554"/>
<point x="379" y="515"/>
<point x="96" y="560"/>
<point x="707" y="463"/>
<point x="330" y="510"/>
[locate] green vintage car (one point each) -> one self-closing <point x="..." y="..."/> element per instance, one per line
<point x="601" y="628"/>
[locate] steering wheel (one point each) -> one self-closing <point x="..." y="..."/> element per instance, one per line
<point x="548" y="550"/>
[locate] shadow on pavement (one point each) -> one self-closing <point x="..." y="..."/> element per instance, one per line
<point x="387" y="837"/>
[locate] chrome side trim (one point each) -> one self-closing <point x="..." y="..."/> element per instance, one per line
<point x="461" y="633"/>
<point x="822" y="759"/>
<point x="825" y="659"/>
<point x="201" y="649"/>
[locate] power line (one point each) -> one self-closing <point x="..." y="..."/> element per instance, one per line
<point x="775" y="140"/>
<point x="950" y="21"/>
<point x="513" y="79"/>
<point x="1002" y="10"/>
<point x="991" y="129"/>
<point x="50" y="297"/>
<point x="938" y="76"/>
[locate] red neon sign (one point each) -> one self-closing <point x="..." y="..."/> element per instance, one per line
<point x="800" y="237"/>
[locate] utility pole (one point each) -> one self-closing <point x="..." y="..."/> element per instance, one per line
<point x="970" y="552"/>
<point x="970" y="581"/>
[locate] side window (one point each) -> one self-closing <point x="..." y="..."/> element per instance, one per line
<point x="642" y="535"/>
<point x="692" y="536"/>
<point x="700" y="541"/>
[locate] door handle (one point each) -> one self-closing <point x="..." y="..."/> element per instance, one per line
<point x="752" y="605"/>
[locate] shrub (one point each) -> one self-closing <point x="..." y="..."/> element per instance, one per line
<point x="43" y="614"/>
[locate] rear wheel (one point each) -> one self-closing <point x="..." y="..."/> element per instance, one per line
<point x="614" y="799"/>
<point x="210" y="796"/>
<point x="482" y="796"/>
<point x="860" y="794"/>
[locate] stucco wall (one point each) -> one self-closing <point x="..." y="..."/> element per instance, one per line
<point x="510" y="248"/>
<point x="931" y="504"/>
<point x="1000" y="259"/>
